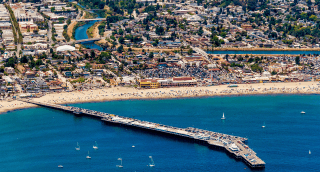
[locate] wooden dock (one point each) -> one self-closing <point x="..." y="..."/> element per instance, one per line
<point x="233" y="145"/>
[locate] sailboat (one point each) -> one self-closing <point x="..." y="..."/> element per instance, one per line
<point x="78" y="146"/>
<point x="95" y="146"/>
<point x="264" y="125"/>
<point x="88" y="157"/>
<point x="152" y="163"/>
<point x="120" y="166"/>
<point x="309" y="152"/>
<point x="223" y="117"/>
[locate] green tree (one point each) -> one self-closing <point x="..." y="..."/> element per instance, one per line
<point x="256" y="68"/>
<point x="68" y="21"/>
<point x="151" y="55"/>
<point x="313" y="18"/>
<point x="32" y="64"/>
<point x="120" y="49"/>
<point x="304" y="15"/>
<point x="199" y="2"/>
<point x="223" y="34"/>
<point x="88" y="66"/>
<point x="200" y="31"/>
<point x="39" y="62"/>
<point x="120" y="32"/>
<point x="121" y="40"/>
<point x="190" y="51"/>
<point x="121" y="67"/>
<point x="10" y="62"/>
<point x="297" y="60"/>
<point x="251" y="5"/>
<point x="160" y="30"/>
<point x="24" y="59"/>
<point x="93" y="54"/>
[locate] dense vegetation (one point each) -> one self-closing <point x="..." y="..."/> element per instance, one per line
<point x="65" y="30"/>
<point x="42" y="25"/>
<point x="92" y="4"/>
<point x="119" y="6"/>
<point x="101" y="28"/>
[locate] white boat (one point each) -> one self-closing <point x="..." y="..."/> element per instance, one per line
<point x="223" y="116"/>
<point x="302" y="112"/>
<point x="133" y="146"/>
<point x="309" y="152"/>
<point x="60" y="166"/>
<point x="120" y="166"/>
<point x="95" y="147"/>
<point x="264" y="125"/>
<point x="88" y="157"/>
<point x="78" y="146"/>
<point x="152" y="162"/>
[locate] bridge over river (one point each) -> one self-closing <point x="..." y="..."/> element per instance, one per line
<point x="233" y="145"/>
<point x="84" y="40"/>
<point x="96" y="19"/>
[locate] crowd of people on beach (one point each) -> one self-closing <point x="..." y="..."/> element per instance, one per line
<point x="119" y="93"/>
<point x="186" y="92"/>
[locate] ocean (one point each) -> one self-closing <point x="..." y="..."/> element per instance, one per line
<point x="40" y="139"/>
<point x="249" y="52"/>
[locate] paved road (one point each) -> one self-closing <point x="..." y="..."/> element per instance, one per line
<point x="62" y="78"/>
<point x="50" y="33"/>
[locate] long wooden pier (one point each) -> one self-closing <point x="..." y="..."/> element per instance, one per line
<point x="233" y="145"/>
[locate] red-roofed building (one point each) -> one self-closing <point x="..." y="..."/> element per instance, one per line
<point x="182" y="78"/>
<point x="178" y="82"/>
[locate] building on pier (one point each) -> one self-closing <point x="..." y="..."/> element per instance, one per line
<point x="233" y="145"/>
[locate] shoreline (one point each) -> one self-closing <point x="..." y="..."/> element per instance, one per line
<point x="263" y="49"/>
<point x="126" y="93"/>
<point x="70" y="29"/>
<point x="92" y="30"/>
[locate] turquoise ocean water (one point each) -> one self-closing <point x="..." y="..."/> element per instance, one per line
<point x="232" y="52"/>
<point x="40" y="139"/>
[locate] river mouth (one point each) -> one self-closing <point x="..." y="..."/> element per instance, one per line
<point x="81" y="33"/>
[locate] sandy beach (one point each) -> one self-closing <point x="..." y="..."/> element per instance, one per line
<point x="124" y="93"/>
<point x="261" y="49"/>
